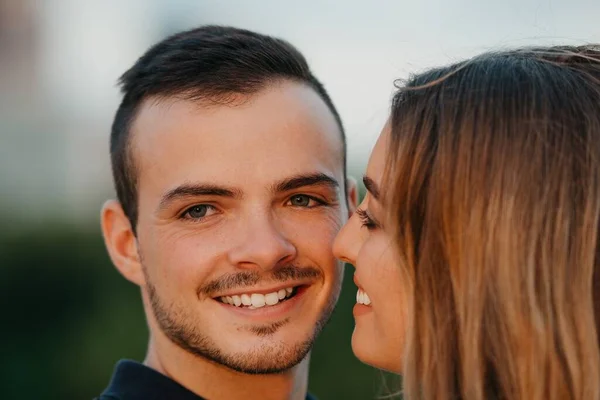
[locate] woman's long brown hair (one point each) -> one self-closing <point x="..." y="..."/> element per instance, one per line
<point x="493" y="186"/>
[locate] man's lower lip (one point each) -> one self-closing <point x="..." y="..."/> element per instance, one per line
<point x="269" y="312"/>
<point x="361" y="309"/>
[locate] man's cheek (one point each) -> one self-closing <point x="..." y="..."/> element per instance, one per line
<point x="323" y="227"/>
<point x="322" y="235"/>
<point x="193" y="261"/>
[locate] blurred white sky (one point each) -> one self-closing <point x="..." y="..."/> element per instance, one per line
<point x="357" y="48"/>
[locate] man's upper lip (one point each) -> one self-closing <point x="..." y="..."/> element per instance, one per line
<point x="262" y="290"/>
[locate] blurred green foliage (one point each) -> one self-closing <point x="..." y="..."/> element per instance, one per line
<point x="69" y="316"/>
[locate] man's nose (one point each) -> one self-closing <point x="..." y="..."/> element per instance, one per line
<point x="261" y="243"/>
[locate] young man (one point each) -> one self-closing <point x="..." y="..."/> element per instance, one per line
<point x="228" y="159"/>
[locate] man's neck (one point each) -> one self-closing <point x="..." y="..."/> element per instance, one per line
<point x="215" y="382"/>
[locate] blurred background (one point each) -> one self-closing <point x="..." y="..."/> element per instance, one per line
<point x="68" y="316"/>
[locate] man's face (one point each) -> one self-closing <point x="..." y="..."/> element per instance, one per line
<point x="240" y="204"/>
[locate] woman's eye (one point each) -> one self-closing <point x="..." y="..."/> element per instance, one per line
<point x="366" y="220"/>
<point x="302" y="200"/>
<point x="198" y="211"/>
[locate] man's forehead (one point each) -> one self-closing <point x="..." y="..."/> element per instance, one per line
<point x="285" y="128"/>
<point x="289" y="103"/>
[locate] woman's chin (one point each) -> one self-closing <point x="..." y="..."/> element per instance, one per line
<point x="373" y="352"/>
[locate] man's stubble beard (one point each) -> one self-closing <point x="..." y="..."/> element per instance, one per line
<point x="274" y="358"/>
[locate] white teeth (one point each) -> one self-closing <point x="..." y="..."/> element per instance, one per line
<point x="362" y="297"/>
<point x="258" y="300"/>
<point x="271" y="299"/>
<point x="246" y="300"/>
<point x="366" y="299"/>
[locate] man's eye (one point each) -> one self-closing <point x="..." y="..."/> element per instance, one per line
<point x="302" y="200"/>
<point x="198" y="211"/>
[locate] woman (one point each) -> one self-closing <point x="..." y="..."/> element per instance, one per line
<point x="476" y="247"/>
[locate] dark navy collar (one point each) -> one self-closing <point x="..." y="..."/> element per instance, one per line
<point x="134" y="381"/>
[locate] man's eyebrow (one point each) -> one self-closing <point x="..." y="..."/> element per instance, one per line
<point x="371" y="186"/>
<point x="197" y="189"/>
<point x="298" y="181"/>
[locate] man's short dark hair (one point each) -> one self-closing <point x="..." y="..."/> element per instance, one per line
<point x="213" y="63"/>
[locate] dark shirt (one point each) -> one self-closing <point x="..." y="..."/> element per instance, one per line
<point x="134" y="381"/>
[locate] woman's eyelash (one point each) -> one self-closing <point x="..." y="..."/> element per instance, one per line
<point x="366" y="219"/>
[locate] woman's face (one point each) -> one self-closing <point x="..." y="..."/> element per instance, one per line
<point x="366" y="243"/>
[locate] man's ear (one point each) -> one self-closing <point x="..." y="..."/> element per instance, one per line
<point x="121" y="242"/>
<point x="352" y="190"/>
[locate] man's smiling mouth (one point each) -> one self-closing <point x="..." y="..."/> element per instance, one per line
<point x="253" y="301"/>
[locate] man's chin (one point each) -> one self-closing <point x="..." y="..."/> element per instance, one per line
<point x="272" y="358"/>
